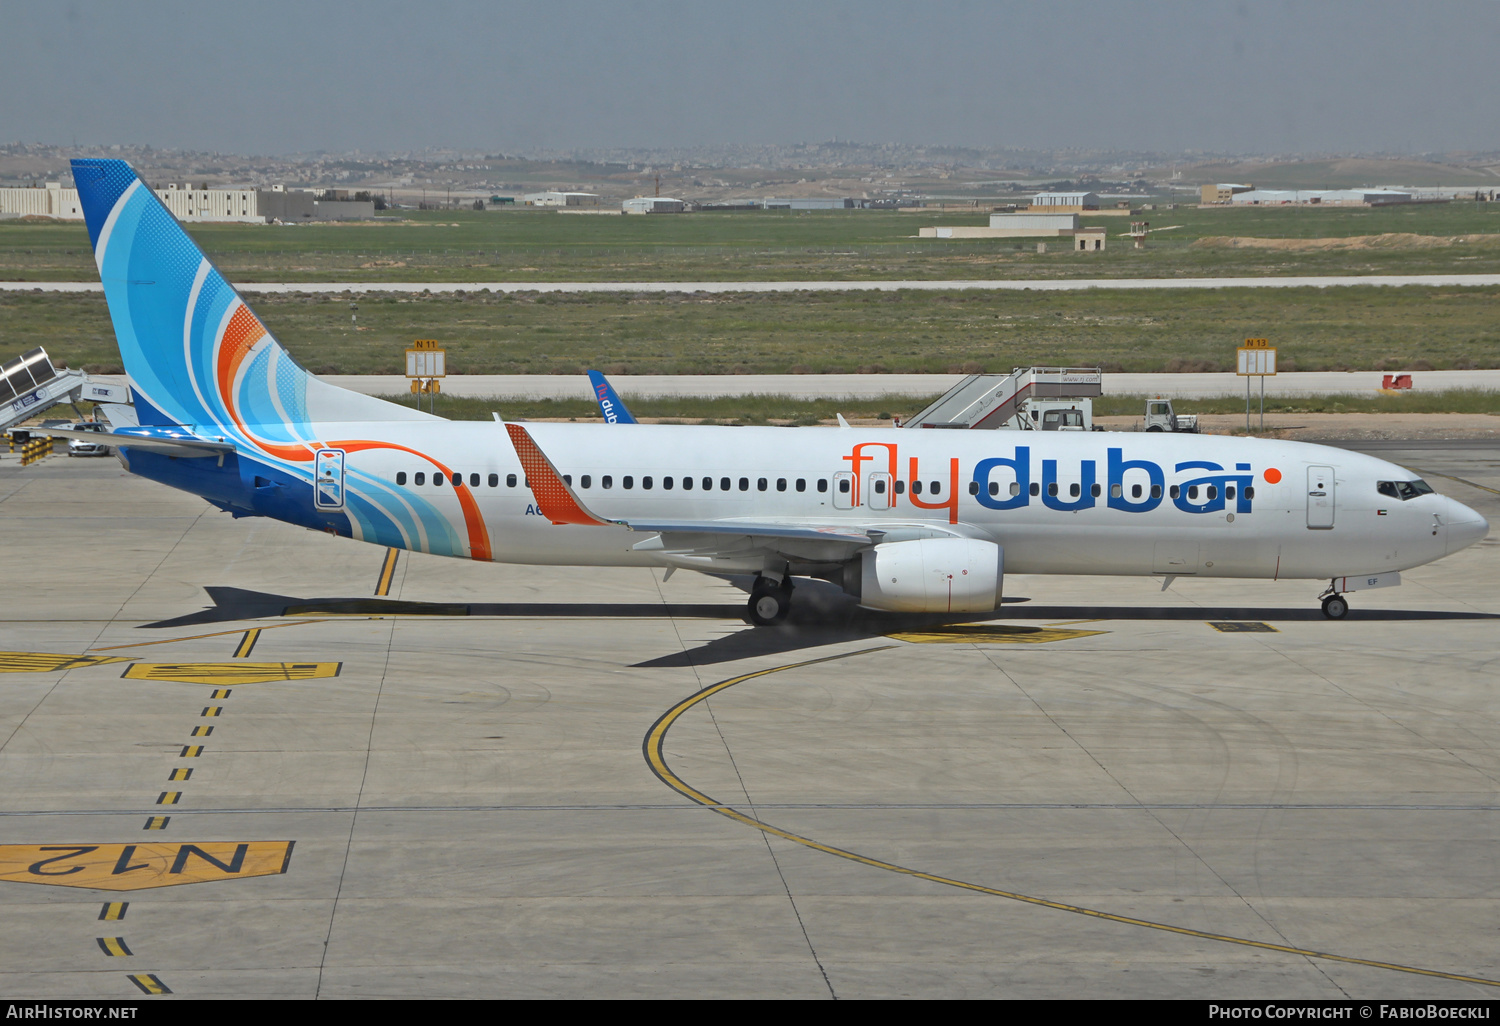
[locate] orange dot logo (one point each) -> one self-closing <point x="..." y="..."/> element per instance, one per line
<point x="1273" y="476"/>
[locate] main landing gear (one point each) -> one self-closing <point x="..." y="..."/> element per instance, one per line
<point x="1335" y="606"/>
<point x="770" y="601"/>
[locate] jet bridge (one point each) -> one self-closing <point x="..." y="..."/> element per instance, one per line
<point x="30" y="385"/>
<point x="995" y="401"/>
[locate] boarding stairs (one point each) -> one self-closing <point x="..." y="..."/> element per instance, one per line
<point x="995" y="401"/>
<point x="30" y="385"/>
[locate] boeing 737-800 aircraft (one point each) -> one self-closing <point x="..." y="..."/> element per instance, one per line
<point x="921" y="521"/>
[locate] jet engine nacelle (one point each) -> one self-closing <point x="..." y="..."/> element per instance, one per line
<point x="932" y="575"/>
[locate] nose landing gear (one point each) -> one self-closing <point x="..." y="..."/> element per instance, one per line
<point x="770" y="601"/>
<point x="1335" y="606"/>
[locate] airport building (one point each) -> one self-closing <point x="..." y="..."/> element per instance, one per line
<point x="1224" y="192"/>
<point x="1065" y="202"/>
<point x="809" y="203"/>
<point x="1022" y="225"/>
<point x="1322" y="197"/>
<point x="653" y="205"/>
<point x="554" y="198"/>
<point x="249" y="206"/>
<point x="51" y="200"/>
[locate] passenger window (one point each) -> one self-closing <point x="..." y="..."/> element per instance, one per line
<point x="1135" y="491"/>
<point x="934" y="488"/>
<point x="1176" y="491"/>
<point x="823" y="485"/>
<point x="760" y="484"/>
<point x="419" y="478"/>
<point x="628" y="481"/>
<point x="1213" y="491"/>
<point x="586" y="481"/>
<point x="1192" y="491"/>
<point x="510" y="481"/>
<point x="1073" y="490"/>
<point x="1249" y="491"/>
<point x="1094" y="491"/>
<point x="1117" y="491"/>
<point x="401" y="477"/>
<point x="458" y="479"/>
<point x="995" y="487"/>
<point x="567" y="478"/>
<point x="708" y="484"/>
<point x="1036" y="489"/>
<point x="473" y="480"/>
<point x="843" y="487"/>
<point x="494" y="481"/>
<point x="645" y="483"/>
<point x="1155" y="491"/>
<point x="916" y="487"/>
<point x="744" y="484"/>
<point x="973" y="487"/>
<point x="1229" y="491"/>
<point x="1015" y="488"/>
<point x="900" y="487"/>
<point x="1052" y="488"/>
<point x="723" y="484"/>
<point x="879" y="487"/>
<point x="781" y="484"/>
<point x="606" y="482"/>
<point x="801" y="484"/>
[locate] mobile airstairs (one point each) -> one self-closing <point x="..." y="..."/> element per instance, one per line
<point x="30" y="385"/>
<point x="1003" y="401"/>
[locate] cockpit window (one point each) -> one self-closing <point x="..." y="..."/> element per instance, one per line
<point x="1403" y="490"/>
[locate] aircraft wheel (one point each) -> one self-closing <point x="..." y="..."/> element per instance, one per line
<point x="769" y="603"/>
<point x="1154" y="427"/>
<point x="1335" y="607"/>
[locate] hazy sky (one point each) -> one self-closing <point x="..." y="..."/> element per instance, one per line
<point x="266" y="76"/>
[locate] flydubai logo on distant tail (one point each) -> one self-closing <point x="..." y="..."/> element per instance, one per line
<point x="1012" y="482"/>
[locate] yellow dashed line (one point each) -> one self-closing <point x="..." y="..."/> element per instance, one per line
<point x="387" y="572"/>
<point x="221" y="693"/>
<point x="149" y="984"/>
<point x="247" y="643"/>
<point x="169" y="798"/>
<point x="212" y="710"/>
<point x="201" y="731"/>
<point x="114" y="947"/>
<point x="652" y="747"/>
<point x="157" y="822"/>
<point x="180" y="773"/>
<point x="113" y="911"/>
<point x="190" y="752"/>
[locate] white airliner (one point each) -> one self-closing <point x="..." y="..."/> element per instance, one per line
<point x="919" y="521"/>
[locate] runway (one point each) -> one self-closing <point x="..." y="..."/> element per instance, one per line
<point x="398" y="775"/>
<point x="1003" y="284"/>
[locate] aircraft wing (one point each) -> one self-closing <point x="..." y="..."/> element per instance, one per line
<point x="560" y="504"/>
<point x="170" y="445"/>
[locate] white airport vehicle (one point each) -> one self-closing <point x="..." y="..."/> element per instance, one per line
<point x="80" y="444"/>
<point x="911" y="521"/>
<point x="1161" y="417"/>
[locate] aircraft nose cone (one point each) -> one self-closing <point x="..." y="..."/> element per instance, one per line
<point x="1465" y="527"/>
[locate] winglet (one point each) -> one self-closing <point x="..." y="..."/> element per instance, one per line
<point x="553" y="495"/>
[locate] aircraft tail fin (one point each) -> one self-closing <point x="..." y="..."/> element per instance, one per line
<point x="195" y="353"/>
<point x="610" y="404"/>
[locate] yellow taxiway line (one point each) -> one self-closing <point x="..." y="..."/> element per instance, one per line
<point x="652" y="748"/>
